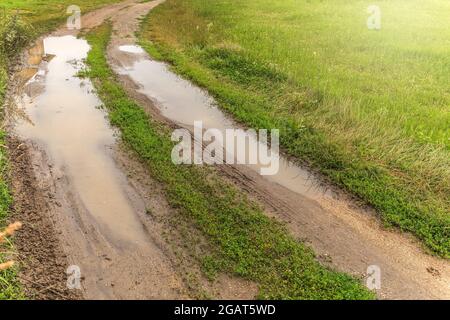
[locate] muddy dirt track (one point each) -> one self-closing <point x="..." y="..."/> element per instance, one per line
<point x="101" y="222"/>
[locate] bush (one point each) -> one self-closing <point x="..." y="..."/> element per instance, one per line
<point x="15" y="34"/>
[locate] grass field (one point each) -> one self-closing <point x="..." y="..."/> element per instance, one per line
<point x="243" y="241"/>
<point x="369" y="109"/>
<point x="20" y="22"/>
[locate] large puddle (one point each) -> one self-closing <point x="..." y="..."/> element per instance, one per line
<point x="184" y="103"/>
<point x="65" y="120"/>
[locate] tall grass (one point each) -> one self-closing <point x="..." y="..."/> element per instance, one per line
<point x="369" y="109"/>
<point x="15" y="34"/>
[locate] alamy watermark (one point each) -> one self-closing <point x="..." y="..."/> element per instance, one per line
<point x="373" y="280"/>
<point x="74" y="20"/>
<point x="73" y="277"/>
<point x="228" y="146"/>
<point x="374" y="20"/>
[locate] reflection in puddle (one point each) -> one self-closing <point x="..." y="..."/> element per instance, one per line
<point x="183" y="103"/>
<point x="77" y="136"/>
<point x="132" y="49"/>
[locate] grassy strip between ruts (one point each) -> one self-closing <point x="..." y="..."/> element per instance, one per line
<point x="245" y="242"/>
<point x="20" y="22"/>
<point x="405" y="180"/>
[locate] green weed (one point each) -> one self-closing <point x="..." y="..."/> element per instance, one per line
<point x="244" y="241"/>
<point x="368" y="109"/>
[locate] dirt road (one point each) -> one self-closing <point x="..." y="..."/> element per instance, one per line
<point x="83" y="200"/>
<point x="59" y="188"/>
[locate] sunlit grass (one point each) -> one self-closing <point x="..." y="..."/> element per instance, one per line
<point x="48" y="14"/>
<point x="370" y="109"/>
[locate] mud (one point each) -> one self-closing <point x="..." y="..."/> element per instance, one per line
<point x="41" y="255"/>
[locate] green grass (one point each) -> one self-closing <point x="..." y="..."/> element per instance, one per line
<point x="9" y="285"/>
<point x="14" y="35"/>
<point x="20" y="22"/>
<point x="244" y="242"/>
<point x="368" y="109"/>
<point x="46" y="15"/>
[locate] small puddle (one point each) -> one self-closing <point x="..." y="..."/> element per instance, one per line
<point x="65" y="118"/>
<point x="184" y="103"/>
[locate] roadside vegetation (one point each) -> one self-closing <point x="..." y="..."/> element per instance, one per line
<point x="14" y="36"/>
<point x="244" y="242"/>
<point x="9" y="284"/>
<point x="21" y="21"/>
<point x="368" y="109"/>
<point x="47" y="15"/>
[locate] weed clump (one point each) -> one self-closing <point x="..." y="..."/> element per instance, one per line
<point x="8" y="232"/>
<point x="15" y="34"/>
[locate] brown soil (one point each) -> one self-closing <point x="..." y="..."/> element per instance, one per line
<point x="42" y="258"/>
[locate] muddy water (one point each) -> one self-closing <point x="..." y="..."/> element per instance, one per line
<point x="183" y="103"/>
<point x="65" y="119"/>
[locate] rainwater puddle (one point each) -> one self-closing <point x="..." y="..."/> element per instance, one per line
<point x="184" y="103"/>
<point x="67" y="122"/>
